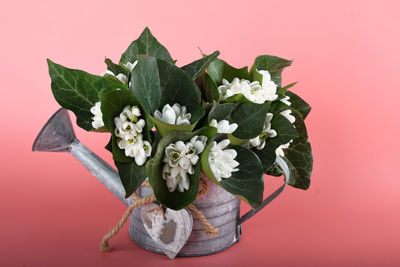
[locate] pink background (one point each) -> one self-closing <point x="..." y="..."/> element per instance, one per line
<point x="346" y="54"/>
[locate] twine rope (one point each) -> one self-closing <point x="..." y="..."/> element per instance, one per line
<point x="139" y="202"/>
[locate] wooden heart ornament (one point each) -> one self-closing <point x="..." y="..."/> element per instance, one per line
<point x="170" y="229"/>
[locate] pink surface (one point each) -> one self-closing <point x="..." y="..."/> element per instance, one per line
<point x="54" y="213"/>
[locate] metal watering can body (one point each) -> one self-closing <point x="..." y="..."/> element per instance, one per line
<point x="221" y="208"/>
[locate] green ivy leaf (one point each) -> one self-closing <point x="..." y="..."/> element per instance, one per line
<point x="109" y="145"/>
<point x="174" y="200"/>
<point x="299" y="155"/>
<point x="146" y="44"/>
<point x="219" y="70"/>
<point x="274" y="171"/>
<point x="299" y="104"/>
<point x="247" y="183"/>
<point x="166" y="128"/>
<point x="220" y="112"/>
<point x="250" y="118"/>
<point x="208" y="88"/>
<point x="282" y="91"/>
<point x="132" y="176"/>
<point x="197" y="67"/>
<point x="274" y="65"/>
<point x="237" y="98"/>
<point x="156" y="83"/>
<point x="78" y="91"/>
<point x="285" y="132"/>
<point x="115" y="68"/>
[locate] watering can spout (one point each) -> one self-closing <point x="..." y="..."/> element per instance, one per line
<point x="58" y="135"/>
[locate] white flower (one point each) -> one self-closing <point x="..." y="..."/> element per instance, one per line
<point x="137" y="148"/>
<point x="130" y="66"/>
<point x="176" y="114"/>
<point x="224" y="126"/>
<point x="253" y="91"/>
<point x="179" y="160"/>
<point x="287" y="114"/>
<point x="268" y="86"/>
<point x="175" y="177"/>
<point x="127" y="123"/>
<point x="286" y="101"/>
<point x="128" y="129"/>
<point x="279" y="151"/>
<point x="98" y="116"/>
<point x="121" y="77"/>
<point x="109" y="72"/>
<point x="266" y="133"/>
<point x="222" y="161"/>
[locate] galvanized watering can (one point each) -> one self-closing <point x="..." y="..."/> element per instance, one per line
<point x="218" y="206"/>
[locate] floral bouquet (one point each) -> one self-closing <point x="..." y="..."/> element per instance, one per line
<point x="170" y="124"/>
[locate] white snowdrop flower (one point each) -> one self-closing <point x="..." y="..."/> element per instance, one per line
<point x="97" y="120"/>
<point x="287" y="114"/>
<point x="179" y="160"/>
<point x="131" y="113"/>
<point x="286" y="101"/>
<point x="268" y="86"/>
<point x="108" y="72"/>
<point x="130" y="66"/>
<point x="176" y="178"/>
<point x="174" y="152"/>
<point x="223" y="126"/>
<point x="128" y="129"/>
<point x="144" y="153"/>
<point x="194" y="148"/>
<point x="128" y="124"/>
<point x="267" y="132"/>
<point x="222" y="161"/>
<point x="279" y="151"/>
<point x="253" y="91"/>
<point x="121" y="77"/>
<point x="176" y="114"/>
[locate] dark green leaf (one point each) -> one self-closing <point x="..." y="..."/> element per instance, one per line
<point x="109" y="145"/>
<point x="132" y="176"/>
<point x="285" y="132"/>
<point x="145" y="83"/>
<point x="237" y="98"/>
<point x="156" y="83"/>
<point x="299" y="155"/>
<point x="299" y="104"/>
<point x="274" y="65"/>
<point x="115" y="68"/>
<point x="274" y="171"/>
<point x="220" y="112"/>
<point x="165" y="128"/>
<point x="250" y="118"/>
<point x="146" y="44"/>
<point x="219" y="70"/>
<point x="197" y="67"/>
<point x="174" y="200"/>
<point x="78" y="91"/>
<point x="209" y="89"/>
<point x="283" y="90"/>
<point x="247" y="183"/>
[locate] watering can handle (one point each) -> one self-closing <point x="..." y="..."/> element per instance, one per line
<point x="285" y="168"/>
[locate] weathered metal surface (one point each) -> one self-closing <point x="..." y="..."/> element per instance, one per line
<point x="221" y="208"/>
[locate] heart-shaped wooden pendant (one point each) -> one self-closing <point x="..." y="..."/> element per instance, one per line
<point x="170" y="229"/>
